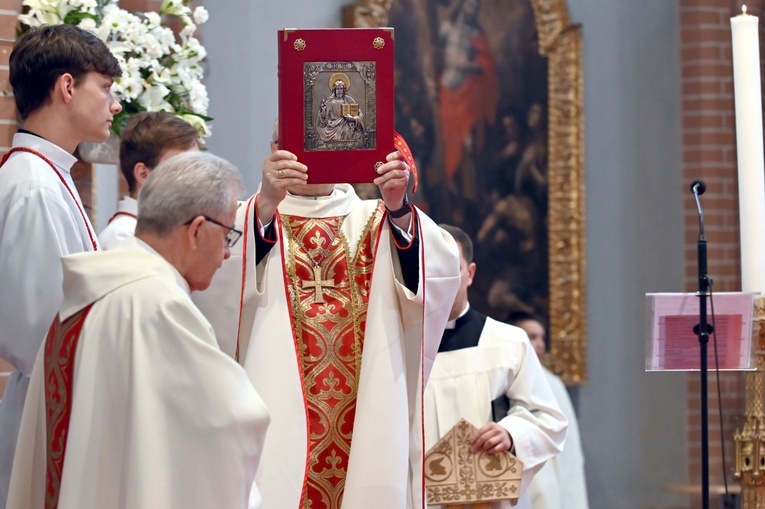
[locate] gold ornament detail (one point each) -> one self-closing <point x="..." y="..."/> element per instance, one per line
<point x="378" y="43"/>
<point x="750" y="440"/>
<point x="367" y="14"/>
<point x="300" y="44"/>
<point x="378" y="164"/>
<point x="454" y="474"/>
<point x="339" y="76"/>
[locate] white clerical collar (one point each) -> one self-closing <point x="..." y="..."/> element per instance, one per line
<point x="453" y="323"/>
<point x="128" y="204"/>
<point x="340" y="203"/>
<point x="304" y="197"/>
<point x="60" y="157"/>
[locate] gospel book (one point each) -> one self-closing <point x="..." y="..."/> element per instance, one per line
<point x="336" y="101"/>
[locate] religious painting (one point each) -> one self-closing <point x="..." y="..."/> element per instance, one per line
<point x="488" y="94"/>
<point x="332" y="85"/>
<point x="333" y="119"/>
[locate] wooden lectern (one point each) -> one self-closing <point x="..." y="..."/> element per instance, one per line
<point x="455" y="477"/>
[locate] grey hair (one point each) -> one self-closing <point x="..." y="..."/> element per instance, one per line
<point x="185" y="186"/>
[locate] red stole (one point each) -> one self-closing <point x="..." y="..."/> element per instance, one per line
<point x="63" y="181"/>
<point x="60" y="351"/>
<point x="122" y="213"/>
<point x="329" y="294"/>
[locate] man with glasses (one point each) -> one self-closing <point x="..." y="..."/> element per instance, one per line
<point x="132" y="403"/>
<point x="233" y="235"/>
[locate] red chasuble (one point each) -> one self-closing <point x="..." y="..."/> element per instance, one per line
<point x="329" y="294"/>
<point x="60" y="351"/>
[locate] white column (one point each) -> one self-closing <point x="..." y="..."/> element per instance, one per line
<point x="105" y="193"/>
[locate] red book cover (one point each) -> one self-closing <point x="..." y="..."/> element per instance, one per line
<point x="336" y="101"/>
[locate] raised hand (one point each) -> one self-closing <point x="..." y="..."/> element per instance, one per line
<point x="393" y="180"/>
<point x="281" y="170"/>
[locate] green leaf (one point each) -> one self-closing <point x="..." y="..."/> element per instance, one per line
<point x="74" y="17"/>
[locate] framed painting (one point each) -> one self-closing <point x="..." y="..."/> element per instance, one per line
<point x="336" y="100"/>
<point x="489" y="96"/>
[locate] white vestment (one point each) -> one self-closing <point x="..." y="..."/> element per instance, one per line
<point x="160" y="417"/>
<point x="464" y="382"/>
<point x="561" y="483"/>
<point x="40" y="221"/>
<point x="401" y="339"/>
<point x="121" y="225"/>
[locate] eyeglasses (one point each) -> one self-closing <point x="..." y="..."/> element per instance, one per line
<point x="233" y="235"/>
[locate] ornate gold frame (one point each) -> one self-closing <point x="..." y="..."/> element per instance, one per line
<point x="561" y="42"/>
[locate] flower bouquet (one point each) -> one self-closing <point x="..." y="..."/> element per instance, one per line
<point x="161" y="71"/>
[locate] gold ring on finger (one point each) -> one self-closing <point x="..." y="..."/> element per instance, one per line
<point x="280" y="174"/>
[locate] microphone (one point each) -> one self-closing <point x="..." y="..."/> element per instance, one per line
<point x="698" y="187"/>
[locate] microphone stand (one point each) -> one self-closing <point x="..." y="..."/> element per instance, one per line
<point x="702" y="330"/>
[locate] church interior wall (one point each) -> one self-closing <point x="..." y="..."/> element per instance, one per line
<point x="633" y="424"/>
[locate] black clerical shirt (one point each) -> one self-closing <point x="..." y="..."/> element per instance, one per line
<point x="466" y="334"/>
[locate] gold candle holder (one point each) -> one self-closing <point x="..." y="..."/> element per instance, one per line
<point x="750" y="441"/>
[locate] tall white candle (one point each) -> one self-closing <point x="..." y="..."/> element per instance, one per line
<point x="749" y="145"/>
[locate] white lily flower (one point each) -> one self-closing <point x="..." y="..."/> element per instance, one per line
<point x="203" y="128"/>
<point x="174" y="7"/>
<point x="88" y="24"/>
<point x="154" y="19"/>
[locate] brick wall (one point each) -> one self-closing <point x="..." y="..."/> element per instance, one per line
<point x="709" y="153"/>
<point x="8" y="11"/>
